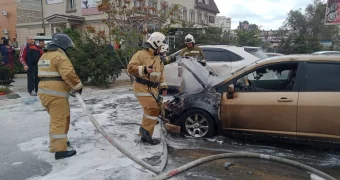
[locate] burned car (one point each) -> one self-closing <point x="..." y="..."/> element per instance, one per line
<point x="293" y="96"/>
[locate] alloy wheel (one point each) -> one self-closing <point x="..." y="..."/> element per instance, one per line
<point x="197" y="125"/>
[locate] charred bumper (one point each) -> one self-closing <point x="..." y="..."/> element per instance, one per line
<point x="208" y="100"/>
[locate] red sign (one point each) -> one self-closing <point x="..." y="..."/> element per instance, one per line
<point x="332" y="16"/>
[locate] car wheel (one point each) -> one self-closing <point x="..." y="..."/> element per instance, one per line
<point x="198" y="123"/>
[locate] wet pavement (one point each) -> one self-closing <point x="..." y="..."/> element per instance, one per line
<point x="18" y="165"/>
<point x="182" y="150"/>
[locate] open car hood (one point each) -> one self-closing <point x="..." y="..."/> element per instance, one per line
<point x="196" y="77"/>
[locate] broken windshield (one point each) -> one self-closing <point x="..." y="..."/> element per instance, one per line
<point x="195" y="77"/>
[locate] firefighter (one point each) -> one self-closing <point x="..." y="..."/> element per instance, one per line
<point x="148" y="70"/>
<point x="192" y="50"/>
<point x="58" y="81"/>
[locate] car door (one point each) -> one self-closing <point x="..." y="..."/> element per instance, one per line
<point x="319" y="100"/>
<point x="269" y="107"/>
<point x="218" y="60"/>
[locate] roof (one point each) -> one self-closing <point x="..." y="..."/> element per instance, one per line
<point x="211" y="7"/>
<point x="68" y="17"/>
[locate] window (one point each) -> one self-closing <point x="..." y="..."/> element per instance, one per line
<point x="70" y="6"/>
<point x="211" y="19"/>
<point x="233" y="57"/>
<point x="165" y="7"/>
<point x="185" y="14"/>
<point x="153" y="5"/>
<point x="199" y="20"/>
<point x="211" y="55"/>
<point x="272" y="78"/>
<point x="192" y="15"/>
<point x="322" y="77"/>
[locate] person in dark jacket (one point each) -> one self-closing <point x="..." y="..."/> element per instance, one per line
<point x="7" y="53"/>
<point x="30" y="54"/>
<point x="1" y="42"/>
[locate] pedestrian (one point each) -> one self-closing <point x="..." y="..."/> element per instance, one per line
<point x="148" y="70"/>
<point x="29" y="57"/>
<point x="192" y="50"/>
<point x="7" y="53"/>
<point x="41" y="44"/>
<point x="58" y="81"/>
<point x="2" y="41"/>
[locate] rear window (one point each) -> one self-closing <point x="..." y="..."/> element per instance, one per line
<point x="256" y="52"/>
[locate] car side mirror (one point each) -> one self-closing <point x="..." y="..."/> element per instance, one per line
<point x="230" y="92"/>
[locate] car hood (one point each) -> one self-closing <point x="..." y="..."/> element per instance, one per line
<point x="196" y="77"/>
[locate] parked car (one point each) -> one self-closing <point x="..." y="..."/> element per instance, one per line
<point x="326" y="52"/>
<point x="274" y="54"/>
<point x="294" y="96"/>
<point x="223" y="59"/>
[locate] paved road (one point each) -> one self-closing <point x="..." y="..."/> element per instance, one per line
<point x="18" y="128"/>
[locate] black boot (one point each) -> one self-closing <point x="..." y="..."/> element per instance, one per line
<point x="146" y="138"/>
<point x="68" y="144"/>
<point x="65" y="154"/>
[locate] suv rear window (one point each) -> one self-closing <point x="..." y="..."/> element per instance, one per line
<point x="256" y="52"/>
<point x="322" y="77"/>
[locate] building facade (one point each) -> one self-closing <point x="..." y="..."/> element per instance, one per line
<point x="8" y="19"/>
<point x="223" y="22"/>
<point x="77" y="14"/>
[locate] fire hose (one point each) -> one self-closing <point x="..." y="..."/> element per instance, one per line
<point x="114" y="143"/>
<point x="196" y="162"/>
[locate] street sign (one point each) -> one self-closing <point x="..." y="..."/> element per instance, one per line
<point x="332" y="16"/>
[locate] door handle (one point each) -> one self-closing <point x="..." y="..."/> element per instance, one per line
<point x="224" y="65"/>
<point x="284" y="99"/>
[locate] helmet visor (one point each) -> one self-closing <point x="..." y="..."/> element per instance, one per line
<point x="188" y="40"/>
<point x="71" y="45"/>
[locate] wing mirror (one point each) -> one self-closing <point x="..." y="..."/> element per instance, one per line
<point x="230" y="92"/>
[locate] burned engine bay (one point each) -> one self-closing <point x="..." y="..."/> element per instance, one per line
<point x="197" y="92"/>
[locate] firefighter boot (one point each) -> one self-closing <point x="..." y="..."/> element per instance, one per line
<point x="146" y="138"/>
<point x="65" y="154"/>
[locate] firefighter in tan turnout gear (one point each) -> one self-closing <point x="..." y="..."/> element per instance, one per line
<point x="192" y="50"/>
<point x="58" y="81"/>
<point x="148" y="70"/>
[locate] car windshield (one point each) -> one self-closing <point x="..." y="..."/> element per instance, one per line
<point x="196" y="77"/>
<point x="256" y="52"/>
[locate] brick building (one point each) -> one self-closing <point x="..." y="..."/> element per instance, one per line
<point x="8" y="19"/>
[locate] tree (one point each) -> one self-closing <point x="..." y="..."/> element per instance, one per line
<point x="91" y="58"/>
<point x="132" y="24"/>
<point x="248" y="38"/>
<point x="308" y="28"/>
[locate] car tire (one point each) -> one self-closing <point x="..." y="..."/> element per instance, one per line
<point x="198" y="123"/>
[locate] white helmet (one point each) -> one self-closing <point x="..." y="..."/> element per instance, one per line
<point x="156" y="40"/>
<point x="189" y="39"/>
<point x="164" y="48"/>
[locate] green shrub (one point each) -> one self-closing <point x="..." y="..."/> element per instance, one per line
<point x="6" y="76"/>
<point x="91" y="58"/>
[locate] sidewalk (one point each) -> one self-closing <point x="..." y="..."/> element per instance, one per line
<point x="19" y="87"/>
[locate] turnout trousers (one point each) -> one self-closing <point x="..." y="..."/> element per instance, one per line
<point x="59" y="110"/>
<point x="151" y="111"/>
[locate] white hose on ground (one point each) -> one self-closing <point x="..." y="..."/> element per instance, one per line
<point x="243" y="155"/>
<point x="121" y="148"/>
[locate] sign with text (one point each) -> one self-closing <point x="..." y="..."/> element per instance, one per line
<point x="332" y="16"/>
<point x="89" y="7"/>
<point x="54" y="1"/>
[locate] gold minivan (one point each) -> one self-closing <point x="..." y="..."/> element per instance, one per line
<point x="295" y="96"/>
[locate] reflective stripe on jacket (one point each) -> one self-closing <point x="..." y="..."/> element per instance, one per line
<point x="57" y="64"/>
<point x="137" y="66"/>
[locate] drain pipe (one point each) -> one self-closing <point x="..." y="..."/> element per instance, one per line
<point x="243" y="155"/>
<point x="121" y="148"/>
